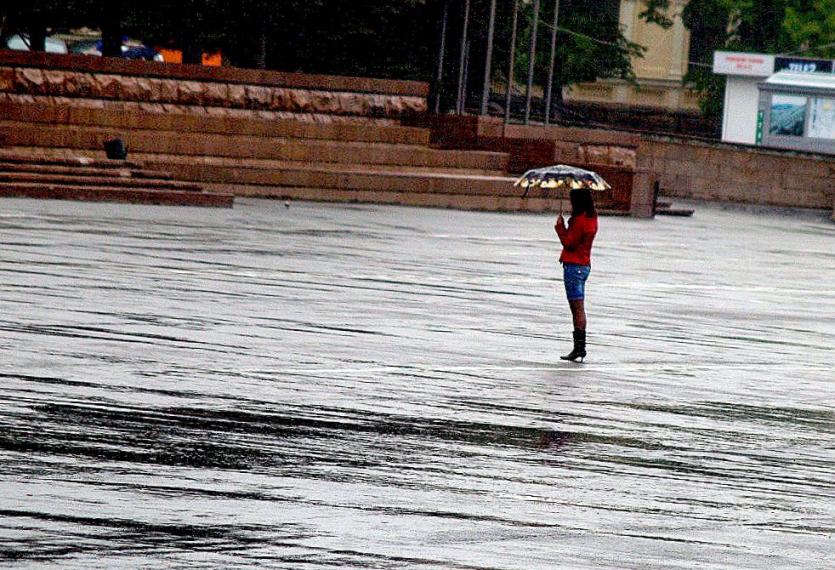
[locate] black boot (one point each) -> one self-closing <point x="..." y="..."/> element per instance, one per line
<point x="579" y="352"/>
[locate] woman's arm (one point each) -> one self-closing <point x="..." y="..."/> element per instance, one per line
<point x="569" y="236"/>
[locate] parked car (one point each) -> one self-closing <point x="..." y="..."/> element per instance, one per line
<point x="131" y="49"/>
<point x="20" y="42"/>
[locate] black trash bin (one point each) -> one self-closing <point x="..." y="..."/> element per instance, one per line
<point x="116" y="149"/>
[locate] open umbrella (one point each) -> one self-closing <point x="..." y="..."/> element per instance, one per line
<point x="561" y="176"/>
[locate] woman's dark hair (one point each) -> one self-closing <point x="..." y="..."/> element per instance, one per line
<point x="582" y="202"/>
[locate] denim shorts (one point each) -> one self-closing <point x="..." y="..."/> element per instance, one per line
<point x="575" y="277"/>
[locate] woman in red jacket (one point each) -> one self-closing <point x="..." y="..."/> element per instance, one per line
<point x="576" y="240"/>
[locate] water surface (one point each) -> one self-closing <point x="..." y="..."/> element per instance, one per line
<point x="379" y="387"/>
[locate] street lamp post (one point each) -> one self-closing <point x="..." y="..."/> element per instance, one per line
<point x="488" y="65"/>
<point x="439" y="79"/>
<point x="532" y="62"/>
<point x="550" y="85"/>
<point x="509" y="93"/>
<point x="461" y="87"/>
<point x="466" y="77"/>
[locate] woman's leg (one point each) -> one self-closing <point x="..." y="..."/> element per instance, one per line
<point x="575" y="280"/>
<point x="578" y="314"/>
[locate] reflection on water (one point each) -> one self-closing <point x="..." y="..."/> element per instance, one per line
<point x="375" y="387"/>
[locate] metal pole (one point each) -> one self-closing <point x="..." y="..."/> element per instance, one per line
<point x="509" y="93"/>
<point x="550" y="86"/>
<point x="440" y="77"/>
<point x="461" y="87"/>
<point x="466" y="77"/>
<point x="488" y="65"/>
<point x="532" y="62"/>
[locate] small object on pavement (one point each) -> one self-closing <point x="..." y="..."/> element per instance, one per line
<point x="115" y="149"/>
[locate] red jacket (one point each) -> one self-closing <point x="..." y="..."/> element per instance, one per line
<point x="577" y="239"/>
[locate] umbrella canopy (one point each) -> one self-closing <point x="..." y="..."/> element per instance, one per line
<point x="562" y="176"/>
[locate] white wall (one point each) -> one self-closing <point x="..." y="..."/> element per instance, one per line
<point x="742" y="98"/>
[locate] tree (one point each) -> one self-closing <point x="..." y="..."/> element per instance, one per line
<point x="111" y="20"/>
<point x="590" y="42"/>
<point x="810" y="27"/>
<point x="193" y="26"/>
<point x="708" y="22"/>
<point x="593" y="45"/>
<point x="384" y="38"/>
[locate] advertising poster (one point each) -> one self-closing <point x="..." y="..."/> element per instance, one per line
<point x="788" y="115"/>
<point x="822" y="119"/>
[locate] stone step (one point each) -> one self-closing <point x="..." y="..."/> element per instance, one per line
<point x="512" y="202"/>
<point x="312" y="177"/>
<point x="121" y="120"/>
<point x="111" y="194"/>
<point x="47" y="156"/>
<point x="504" y="202"/>
<point x="155" y="160"/>
<point x="158" y="161"/>
<point x="447" y="192"/>
<point x="50" y="179"/>
<point x="240" y="146"/>
<point x="70" y="170"/>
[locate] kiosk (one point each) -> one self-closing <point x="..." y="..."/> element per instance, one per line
<point x="797" y="111"/>
<point x="748" y="76"/>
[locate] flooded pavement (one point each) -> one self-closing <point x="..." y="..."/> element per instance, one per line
<point x="379" y="387"/>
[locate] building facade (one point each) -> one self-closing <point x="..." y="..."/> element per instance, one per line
<point x="659" y="72"/>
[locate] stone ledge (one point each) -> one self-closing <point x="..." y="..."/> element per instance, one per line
<point x="132" y="117"/>
<point x="184" y="72"/>
<point x="93" y="194"/>
<point x="189" y="110"/>
<point x="82" y="85"/>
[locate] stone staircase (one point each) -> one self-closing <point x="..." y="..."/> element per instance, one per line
<point x="31" y="174"/>
<point x="349" y="160"/>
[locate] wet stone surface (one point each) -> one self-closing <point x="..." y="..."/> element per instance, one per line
<point x="375" y="387"/>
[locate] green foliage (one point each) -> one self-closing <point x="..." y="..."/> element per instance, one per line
<point x="593" y="46"/>
<point x="655" y="11"/>
<point x="810" y="27"/>
<point x="709" y="25"/>
<point x="590" y="42"/>
<point x="384" y="38"/>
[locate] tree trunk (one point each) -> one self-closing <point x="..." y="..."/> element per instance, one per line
<point x="261" y="50"/>
<point x="111" y="29"/>
<point x="37" y="37"/>
<point x="557" y="102"/>
<point x="192" y="54"/>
